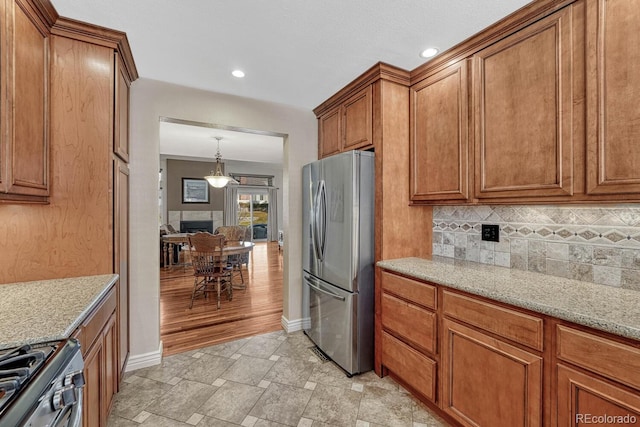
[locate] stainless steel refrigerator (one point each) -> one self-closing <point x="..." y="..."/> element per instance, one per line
<point x="337" y="258"/>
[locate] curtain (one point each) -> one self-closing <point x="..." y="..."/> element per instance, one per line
<point x="231" y="205"/>
<point x="272" y="226"/>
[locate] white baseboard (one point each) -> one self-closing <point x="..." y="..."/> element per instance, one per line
<point x="145" y="360"/>
<point x="295" y="325"/>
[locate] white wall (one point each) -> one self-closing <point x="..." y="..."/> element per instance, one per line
<point x="151" y="100"/>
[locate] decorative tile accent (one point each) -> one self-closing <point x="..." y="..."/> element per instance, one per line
<point x="590" y="243"/>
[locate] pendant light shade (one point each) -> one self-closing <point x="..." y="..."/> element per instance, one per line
<point x="217" y="179"/>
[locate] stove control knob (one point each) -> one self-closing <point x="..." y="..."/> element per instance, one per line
<point x="75" y="378"/>
<point x="64" y="397"/>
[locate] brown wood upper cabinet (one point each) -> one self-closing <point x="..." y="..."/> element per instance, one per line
<point x="613" y="89"/>
<point x="439" y="136"/>
<point x="348" y="126"/>
<point x="24" y="123"/>
<point x="121" y="111"/>
<point x="522" y="102"/>
<point x="329" y="132"/>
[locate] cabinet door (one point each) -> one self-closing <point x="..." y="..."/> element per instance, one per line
<point x="410" y="322"/>
<point x="121" y="258"/>
<point x="613" y="89"/>
<point x="110" y="381"/>
<point x="522" y="91"/>
<point x="409" y="365"/>
<point x="121" y="111"/>
<point x="94" y="377"/>
<point x="357" y="120"/>
<point x="487" y="382"/>
<point x="583" y="400"/>
<point x="439" y="136"/>
<point x="329" y="132"/>
<point x="25" y="124"/>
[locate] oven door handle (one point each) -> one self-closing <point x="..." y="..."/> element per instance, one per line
<point x="76" y="416"/>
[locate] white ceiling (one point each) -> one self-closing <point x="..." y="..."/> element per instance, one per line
<point x="186" y="141"/>
<point x="294" y="52"/>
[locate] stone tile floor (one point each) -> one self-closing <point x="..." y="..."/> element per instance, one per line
<point x="269" y="380"/>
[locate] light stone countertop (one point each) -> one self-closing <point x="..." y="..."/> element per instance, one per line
<point x="605" y="308"/>
<point x="48" y="310"/>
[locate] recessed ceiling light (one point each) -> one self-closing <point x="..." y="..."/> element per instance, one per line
<point x="237" y="73"/>
<point x="429" y="52"/>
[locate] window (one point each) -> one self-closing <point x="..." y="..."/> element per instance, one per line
<point x="253" y="180"/>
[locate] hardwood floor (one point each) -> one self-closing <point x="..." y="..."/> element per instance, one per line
<point x="255" y="310"/>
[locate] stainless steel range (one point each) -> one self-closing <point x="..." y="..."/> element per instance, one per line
<point x="41" y="386"/>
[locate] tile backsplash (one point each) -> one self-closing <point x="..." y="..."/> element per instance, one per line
<point x="594" y="244"/>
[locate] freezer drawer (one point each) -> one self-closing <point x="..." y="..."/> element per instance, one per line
<point x="335" y="327"/>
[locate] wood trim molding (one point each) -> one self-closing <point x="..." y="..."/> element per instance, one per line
<point x="511" y="23"/>
<point x="144" y="360"/>
<point x="102" y="36"/>
<point x="45" y="11"/>
<point x="380" y="71"/>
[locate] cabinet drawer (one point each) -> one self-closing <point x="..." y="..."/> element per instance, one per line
<point x="415" y="324"/>
<point x="606" y="357"/>
<point x="412" y="367"/>
<point x="96" y="321"/>
<point x="416" y="292"/>
<point x="519" y="327"/>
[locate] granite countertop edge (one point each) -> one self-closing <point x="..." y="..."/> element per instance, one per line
<point x="420" y="268"/>
<point x="46" y="335"/>
<point x="83" y="315"/>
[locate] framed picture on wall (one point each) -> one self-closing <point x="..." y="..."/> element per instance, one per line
<point x="195" y="190"/>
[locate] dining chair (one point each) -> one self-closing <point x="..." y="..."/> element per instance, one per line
<point x="210" y="268"/>
<point x="240" y="234"/>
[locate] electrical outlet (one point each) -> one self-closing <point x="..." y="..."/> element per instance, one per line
<point x="491" y="232"/>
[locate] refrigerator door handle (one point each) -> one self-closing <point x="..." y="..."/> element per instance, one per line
<point x="314" y="224"/>
<point x="323" y="213"/>
<point x="313" y="285"/>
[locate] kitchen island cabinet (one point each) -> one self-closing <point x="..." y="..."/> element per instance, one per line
<point x="514" y="347"/>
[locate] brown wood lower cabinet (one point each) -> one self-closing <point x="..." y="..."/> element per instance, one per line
<point x="488" y="382"/>
<point x="584" y="399"/>
<point x="99" y="339"/>
<point x="413" y="367"/>
<point x="408" y="330"/>
<point x="484" y="363"/>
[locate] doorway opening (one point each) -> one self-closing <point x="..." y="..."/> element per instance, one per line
<point x="250" y="156"/>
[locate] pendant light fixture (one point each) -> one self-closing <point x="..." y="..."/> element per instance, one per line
<point x="217" y="179"/>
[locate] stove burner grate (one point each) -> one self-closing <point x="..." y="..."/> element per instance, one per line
<point x="17" y="366"/>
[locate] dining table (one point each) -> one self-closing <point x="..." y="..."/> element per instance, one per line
<point x="169" y="241"/>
